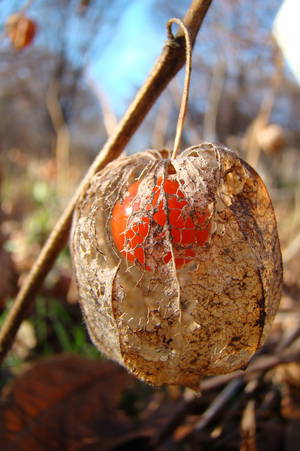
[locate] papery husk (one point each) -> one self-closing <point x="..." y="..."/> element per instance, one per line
<point x="174" y="326"/>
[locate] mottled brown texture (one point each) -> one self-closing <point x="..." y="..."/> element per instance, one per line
<point x="168" y="325"/>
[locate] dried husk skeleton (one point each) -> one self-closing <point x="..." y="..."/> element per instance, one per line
<point x="171" y="325"/>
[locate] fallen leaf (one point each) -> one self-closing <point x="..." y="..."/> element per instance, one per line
<point x="65" y="402"/>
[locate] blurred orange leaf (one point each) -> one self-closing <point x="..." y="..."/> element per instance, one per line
<point x="21" y="30"/>
<point x="65" y="402"/>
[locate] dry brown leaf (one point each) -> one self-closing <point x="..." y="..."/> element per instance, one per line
<point x="65" y="402"/>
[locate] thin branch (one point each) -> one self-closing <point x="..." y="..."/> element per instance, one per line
<point x="62" y="146"/>
<point x="234" y="381"/>
<point x="213" y="101"/>
<point x="224" y="397"/>
<point x="261" y="365"/>
<point x="171" y="60"/>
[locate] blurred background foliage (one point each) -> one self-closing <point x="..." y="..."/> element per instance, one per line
<point x="56" y="114"/>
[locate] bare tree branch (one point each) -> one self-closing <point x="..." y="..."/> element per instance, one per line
<point x="234" y="382"/>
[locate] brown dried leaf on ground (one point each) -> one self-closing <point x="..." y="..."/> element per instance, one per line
<point x="65" y="402"/>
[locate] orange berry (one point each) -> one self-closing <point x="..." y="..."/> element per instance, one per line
<point x="169" y="213"/>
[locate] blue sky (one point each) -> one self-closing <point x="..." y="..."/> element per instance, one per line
<point x="124" y="65"/>
<point x="121" y="69"/>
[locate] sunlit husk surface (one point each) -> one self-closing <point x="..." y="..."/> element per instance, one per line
<point x="171" y="325"/>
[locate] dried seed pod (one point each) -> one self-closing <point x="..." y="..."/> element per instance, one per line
<point x="21" y="30"/>
<point x="178" y="263"/>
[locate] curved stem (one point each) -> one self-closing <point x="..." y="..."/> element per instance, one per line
<point x="187" y="80"/>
